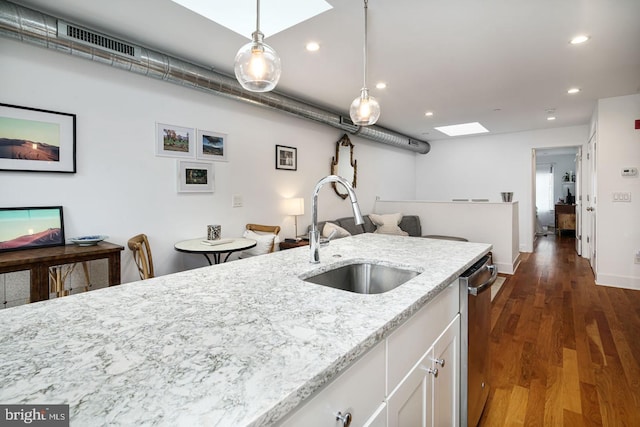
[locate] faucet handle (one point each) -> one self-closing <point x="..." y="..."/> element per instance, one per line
<point x="325" y="240"/>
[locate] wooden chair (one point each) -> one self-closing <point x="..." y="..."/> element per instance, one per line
<point x="139" y="245"/>
<point x="265" y="229"/>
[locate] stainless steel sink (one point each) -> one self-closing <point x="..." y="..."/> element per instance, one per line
<point x="363" y="278"/>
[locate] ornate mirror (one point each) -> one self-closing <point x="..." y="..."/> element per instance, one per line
<point x="344" y="165"/>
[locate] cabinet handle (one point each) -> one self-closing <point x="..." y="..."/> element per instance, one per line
<point x="346" y="419"/>
<point x="439" y="362"/>
<point x="432" y="371"/>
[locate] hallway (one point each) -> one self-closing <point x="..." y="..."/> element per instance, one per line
<point x="564" y="351"/>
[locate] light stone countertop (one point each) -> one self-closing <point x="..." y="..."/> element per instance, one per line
<point x="235" y="344"/>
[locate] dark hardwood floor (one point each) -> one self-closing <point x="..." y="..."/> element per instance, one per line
<point x="564" y="351"/>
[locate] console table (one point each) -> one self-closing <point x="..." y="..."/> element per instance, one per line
<point x="565" y="218"/>
<point x="38" y="261"/>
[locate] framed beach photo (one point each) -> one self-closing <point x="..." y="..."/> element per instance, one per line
<point x="35" y="140"/>
<point x="28" y="228"/>
<point x="212" y="146"/>
<point x="175" y="141"/>
<point x="195" y="177"/>
<point x="286" y="158"/>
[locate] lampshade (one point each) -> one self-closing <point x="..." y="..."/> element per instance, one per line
<point x="365" y="109"/>
<point x="295" y="206"/>
<point x="257" y="65"/>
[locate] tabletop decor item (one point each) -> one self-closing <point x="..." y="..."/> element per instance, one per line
<point x="214" y="232"/>
<point x="37" y="140"/>
<point x="28" y="228"/>
<point x="88" y="240"/>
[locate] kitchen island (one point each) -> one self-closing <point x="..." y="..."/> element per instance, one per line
<point x="242" y="343"/>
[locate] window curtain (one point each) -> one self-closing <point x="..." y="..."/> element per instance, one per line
<point x="544" y="194"/>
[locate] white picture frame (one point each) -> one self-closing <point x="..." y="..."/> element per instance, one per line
<point x="212" y="146"/>
<point x="175" y="141"/>
<point x="195" y="177"/>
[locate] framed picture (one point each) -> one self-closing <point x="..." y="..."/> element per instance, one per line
<point x="212" y="146"/>
<point x="286" y="158"/>
<point x="195" y="177"/>
<point x="27" y="228"/>
<point x="36" y="140"/>
<point x="175" y="141"/>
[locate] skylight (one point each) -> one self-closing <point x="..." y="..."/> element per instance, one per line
<point x="240" y="15"/>
<point x="462" y="129"/>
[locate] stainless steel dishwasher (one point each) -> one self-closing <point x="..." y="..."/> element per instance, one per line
<point x="475" y="303"/>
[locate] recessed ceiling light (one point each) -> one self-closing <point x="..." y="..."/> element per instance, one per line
<point x="462" y="129"/>
<point x="551" y="118"/>
<point x="579" y="39"/>
<point x="573" y="90"/>
<point x="313" y="47"/>
<point x="381" y="85"/>
<point x="429" y="113"/>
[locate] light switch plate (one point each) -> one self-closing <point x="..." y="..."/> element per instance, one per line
<point x="236" y="201"/>
<point x="631" y="171"/>
<point x="624" y="196"/>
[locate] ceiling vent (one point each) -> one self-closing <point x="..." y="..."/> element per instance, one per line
<point x="91" y="38"/>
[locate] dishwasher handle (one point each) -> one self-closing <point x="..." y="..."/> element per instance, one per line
<point x="476" y="290"/>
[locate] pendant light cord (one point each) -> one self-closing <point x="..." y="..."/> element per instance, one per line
<point x="366" y="6"/>
<point x="257" y="16"/>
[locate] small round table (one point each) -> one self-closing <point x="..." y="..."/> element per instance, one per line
<point x="217" y="248"/>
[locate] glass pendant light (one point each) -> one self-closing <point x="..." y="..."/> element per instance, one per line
<point x="257" y="65"/>
<point x="365" y="109"/>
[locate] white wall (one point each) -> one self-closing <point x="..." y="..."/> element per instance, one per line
<point x="618" y="224"/>
<point x="121" y="188"/>
<point x="483" y="166"/>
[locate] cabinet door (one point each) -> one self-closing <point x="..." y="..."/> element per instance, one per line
<point x="409" y="405"/>
<point x="446" y="385"/>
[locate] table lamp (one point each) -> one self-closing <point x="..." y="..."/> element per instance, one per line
<point x="295" y="207"/>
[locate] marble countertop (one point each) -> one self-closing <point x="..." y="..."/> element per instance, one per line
<point x="235" y="344"/>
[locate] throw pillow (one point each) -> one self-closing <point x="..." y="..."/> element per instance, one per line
<point x="388" y="224"/>
<point x="329" y="227"/>
<point x="263" y="245"/>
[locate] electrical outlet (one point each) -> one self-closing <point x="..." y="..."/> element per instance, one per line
<point x="637" y="258"/>
<point x="236" y="201"/>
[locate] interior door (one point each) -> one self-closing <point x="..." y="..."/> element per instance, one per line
<point x="592" y="201"/>
<point x="579" y="201"/>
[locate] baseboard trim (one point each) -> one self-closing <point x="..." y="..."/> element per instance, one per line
<point x="508" y="268"/>
<point x="625" y="282"/>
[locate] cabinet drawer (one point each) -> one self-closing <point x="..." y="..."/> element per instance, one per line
<point x="410" y="341"/>
<point x="359" y="390"/>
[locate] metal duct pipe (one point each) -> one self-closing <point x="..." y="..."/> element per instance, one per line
<point x="37" y="28"/>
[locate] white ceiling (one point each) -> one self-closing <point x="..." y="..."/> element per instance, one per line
<point x="502" y="63"/>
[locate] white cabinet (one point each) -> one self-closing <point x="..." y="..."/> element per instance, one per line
<point x="429" y="394"/>
<point x="395" y="384"/>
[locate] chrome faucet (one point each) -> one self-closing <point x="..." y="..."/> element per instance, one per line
<point x="314" y="234"/>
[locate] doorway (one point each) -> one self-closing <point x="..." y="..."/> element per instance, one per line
<point x="556" y="192"/>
